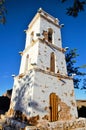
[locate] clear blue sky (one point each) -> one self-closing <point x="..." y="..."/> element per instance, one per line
<point x="12" y="36"/>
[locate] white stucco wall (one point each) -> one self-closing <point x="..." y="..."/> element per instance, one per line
<point x="31" y="93"/>
<point x="37" y="26"/>
<point x="45" y="84"/>
<point x="45" y="25"/>
<point x="33" y="56"/>
<point x="44" y="53"/>
<point x="40" y="55"/>
<point x="36" y="29"/>
<point x="22" y="93"/>
<point x="40" y="25"/>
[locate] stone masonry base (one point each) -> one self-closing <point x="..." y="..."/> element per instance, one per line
<point x="77" y="124"/>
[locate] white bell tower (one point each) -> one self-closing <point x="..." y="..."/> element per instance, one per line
<point x="43" y="87"/>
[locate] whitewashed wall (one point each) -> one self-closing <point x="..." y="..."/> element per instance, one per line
<point x="22" y="93"/>
<point x="39" y="25"/>
<point x="45" y="25"/>
<point x="31" y="94"/>
<point x="35" y="28"/>
<point x="33" y="56"/>
<point x="44" y="53"/>
<point x="46" y="84"/>
<point x="39" y="54"/>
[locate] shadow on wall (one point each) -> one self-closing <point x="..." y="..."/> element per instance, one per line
<point x="22" y="96"/>
<point x="22" y="93"/>
<point x="20" y="100"/>
<point x="23" y="105"/>
<point x="23" y="101"/>
<point x="36" y="106"/>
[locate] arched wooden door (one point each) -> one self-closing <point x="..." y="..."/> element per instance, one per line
<point x="53" y="107"/>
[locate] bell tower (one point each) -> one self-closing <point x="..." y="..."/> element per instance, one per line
<point x="43" y="87"/>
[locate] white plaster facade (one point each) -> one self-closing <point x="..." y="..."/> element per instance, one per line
<point x="36" y="80"/>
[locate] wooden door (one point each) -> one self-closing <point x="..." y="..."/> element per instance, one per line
<point x="53" y="107"/>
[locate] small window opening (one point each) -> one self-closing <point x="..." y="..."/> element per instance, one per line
<point x="31" y="37"/>
<point x="37" y="34"/>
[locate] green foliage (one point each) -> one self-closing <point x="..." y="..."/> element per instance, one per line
<point x="73" y="10"/>
<point x="77" y="7"/>
<point x="83" y="66"/>
<point x="3" y="11"/>
<point x="84" y="84"/>
<point x="71" y="56"/>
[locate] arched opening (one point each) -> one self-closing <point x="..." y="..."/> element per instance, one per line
<point x="31" y="36"/>
<point x="50" y="32"/>
<point x="52" y="62"/>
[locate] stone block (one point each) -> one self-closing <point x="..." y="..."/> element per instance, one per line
<point x="30" y="128"/>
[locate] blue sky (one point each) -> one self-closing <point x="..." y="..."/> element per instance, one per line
<point x="12" y="36"/>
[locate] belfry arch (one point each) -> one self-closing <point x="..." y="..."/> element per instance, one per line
<point x="50" y="35"/>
